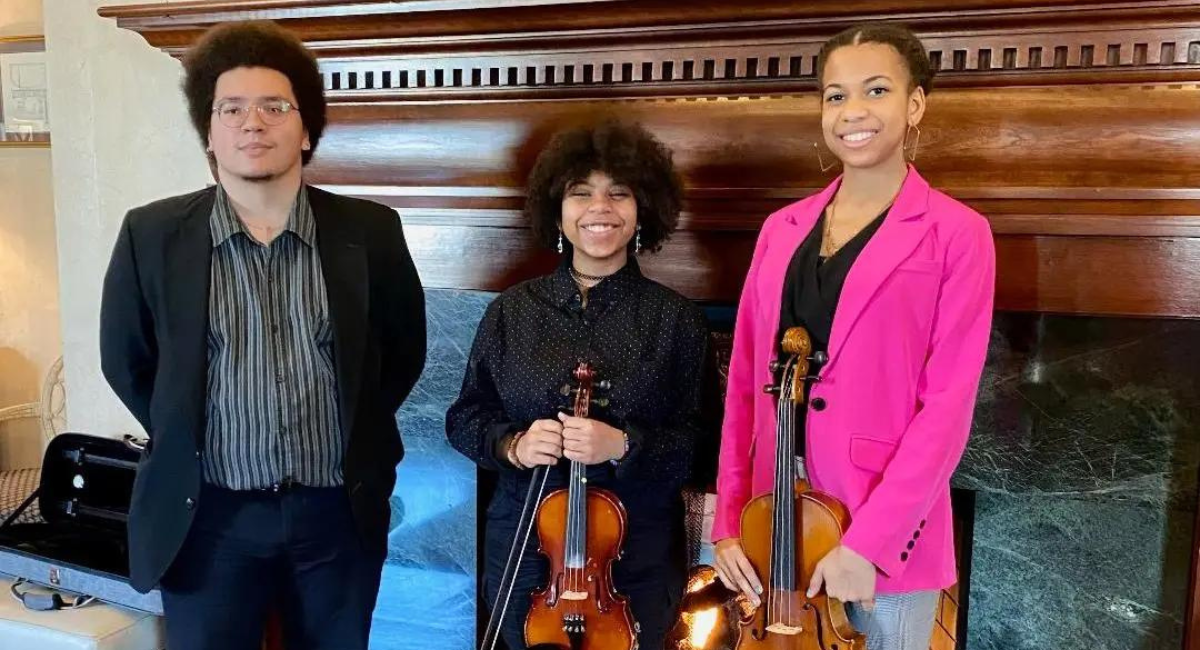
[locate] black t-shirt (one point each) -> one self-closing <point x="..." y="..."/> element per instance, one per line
<point x="812" y="287"/>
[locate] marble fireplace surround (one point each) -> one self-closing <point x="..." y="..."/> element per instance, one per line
<point x="1082" y="465"/>
<point x="1083" y="460"/>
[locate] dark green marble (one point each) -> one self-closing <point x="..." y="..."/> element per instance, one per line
<point x="1084" y="456"/>
<point x="1067" y="574"/>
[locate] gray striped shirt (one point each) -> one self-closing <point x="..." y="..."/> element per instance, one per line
<point x="272" y="410"/>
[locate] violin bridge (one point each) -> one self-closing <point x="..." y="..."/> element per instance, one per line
<point x="574" y="595"/>
<point x="781" y="628"/>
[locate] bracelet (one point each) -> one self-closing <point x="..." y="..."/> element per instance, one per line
<point x="617" y="461"/>
<point x="511" y="451"/>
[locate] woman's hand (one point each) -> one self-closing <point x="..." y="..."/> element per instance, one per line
<point x="590" y="441"/>
<point x="734" y="570"/>
<point x="847" y="576"/>
<point x="541" y="444"/>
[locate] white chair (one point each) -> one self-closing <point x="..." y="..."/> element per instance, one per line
<point x="50" y="412"/>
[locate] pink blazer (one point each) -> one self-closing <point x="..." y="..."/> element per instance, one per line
<point x="906" y="351"/>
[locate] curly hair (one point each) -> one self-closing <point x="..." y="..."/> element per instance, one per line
<point x="901" y="38"/>
<point x="625" y="152"/>
<point x="253" y="44"/>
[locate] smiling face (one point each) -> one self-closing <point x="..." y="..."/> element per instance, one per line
<point x="256" y="151"/>
<point x="867" y="105"/>
<point x="599" y="218"/>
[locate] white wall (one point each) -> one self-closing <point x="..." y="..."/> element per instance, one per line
<point x="29" y="323"/>
<point x="121" y="139"/>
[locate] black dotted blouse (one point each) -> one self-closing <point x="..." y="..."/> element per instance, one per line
<point x="648" y="341"/>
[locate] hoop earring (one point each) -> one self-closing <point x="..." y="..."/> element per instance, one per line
<point x="912" y="149"/>
<point x="560" y="244"/>
<point x="821" y="160"/>
<point x="637" y="242"/>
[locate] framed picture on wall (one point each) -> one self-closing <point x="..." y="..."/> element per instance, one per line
<point x="24" y="95"/>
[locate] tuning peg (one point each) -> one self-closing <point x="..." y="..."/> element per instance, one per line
<point x="602" y="402"/>
<point x="566" y="390"/>
<point x="604" y="384"/>
<point x="819" y="357"/>
<point x="775" y="366"/>
<point x="771" y="389"/>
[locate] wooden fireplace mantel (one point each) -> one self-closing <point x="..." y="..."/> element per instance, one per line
<point x="1073" y="125"/>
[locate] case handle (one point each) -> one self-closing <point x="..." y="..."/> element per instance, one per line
<point x="135" y="443"/>
<point x="46" y="602"/>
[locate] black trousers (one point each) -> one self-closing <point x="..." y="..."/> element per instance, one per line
<point x="248" y="552"/>
<point x="651" y="574"/>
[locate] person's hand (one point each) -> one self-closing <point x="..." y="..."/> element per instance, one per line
<point x="590" y="441"/>
<point x="735" y="571"/>
<point x="846" y="576"/>
<point x="541" y="444"/>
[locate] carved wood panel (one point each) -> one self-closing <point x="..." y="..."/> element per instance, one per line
<point x="754" y="66"/>
<point x="1061" y="169"/>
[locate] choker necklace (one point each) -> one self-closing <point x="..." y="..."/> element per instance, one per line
<point x="588" y="278"/>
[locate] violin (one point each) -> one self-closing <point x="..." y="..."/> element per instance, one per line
<point x="784" y="534"/>
<point x="581" y="531"/>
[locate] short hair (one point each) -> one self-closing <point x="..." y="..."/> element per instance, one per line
<point x="900" y="37"/>
<point x="629" y="154"/>
<point x="253" y="44"/>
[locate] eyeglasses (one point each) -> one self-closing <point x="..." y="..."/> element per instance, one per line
<point x="234" y="114"/>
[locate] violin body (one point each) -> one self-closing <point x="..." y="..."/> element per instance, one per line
<point x="785" y="533"/>
<point x="606" y="616"/>
<point x="788" y="620"/>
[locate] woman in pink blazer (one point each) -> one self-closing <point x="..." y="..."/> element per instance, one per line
<point x="894" y="281"/>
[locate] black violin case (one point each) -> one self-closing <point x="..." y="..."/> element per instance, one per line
<point x="80" y="546"/>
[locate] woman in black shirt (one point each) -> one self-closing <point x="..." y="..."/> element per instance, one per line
<point x="599" y="196"/>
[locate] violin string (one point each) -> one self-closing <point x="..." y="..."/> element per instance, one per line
<point x="775" y="551"/>
<point x="789" y="527"/>
<point x="778" y="539"/>
<point x="789" y="504"/>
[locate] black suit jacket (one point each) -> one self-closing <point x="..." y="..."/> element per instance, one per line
<point x="153" y="349"/>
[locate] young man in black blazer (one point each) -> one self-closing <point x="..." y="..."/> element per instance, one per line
<point x="264" y="333"/>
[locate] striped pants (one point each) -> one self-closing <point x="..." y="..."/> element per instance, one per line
<point x="899" y="621"/>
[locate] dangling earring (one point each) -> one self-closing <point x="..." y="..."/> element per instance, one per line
<point x="821" y="159"/>
<point x="637" y="243"/>
<point x="912" y="148"/>
<point x="560" y="246"/>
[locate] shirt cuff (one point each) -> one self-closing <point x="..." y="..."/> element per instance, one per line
<point x="497" y="441"/>
<point x="628" y="463"/>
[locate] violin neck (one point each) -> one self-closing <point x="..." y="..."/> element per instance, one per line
<point x="576" y="537"/>
<point x="783" y="533"/>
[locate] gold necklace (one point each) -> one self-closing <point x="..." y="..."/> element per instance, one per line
<point x="830" y="247"/>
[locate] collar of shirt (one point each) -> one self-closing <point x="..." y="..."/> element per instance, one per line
<point x="563" y="289"/>
<point x="224" y="222"/>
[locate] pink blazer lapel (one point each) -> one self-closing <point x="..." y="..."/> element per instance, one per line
<point x="901" y="231"/>
<point x="797" y="223"/>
